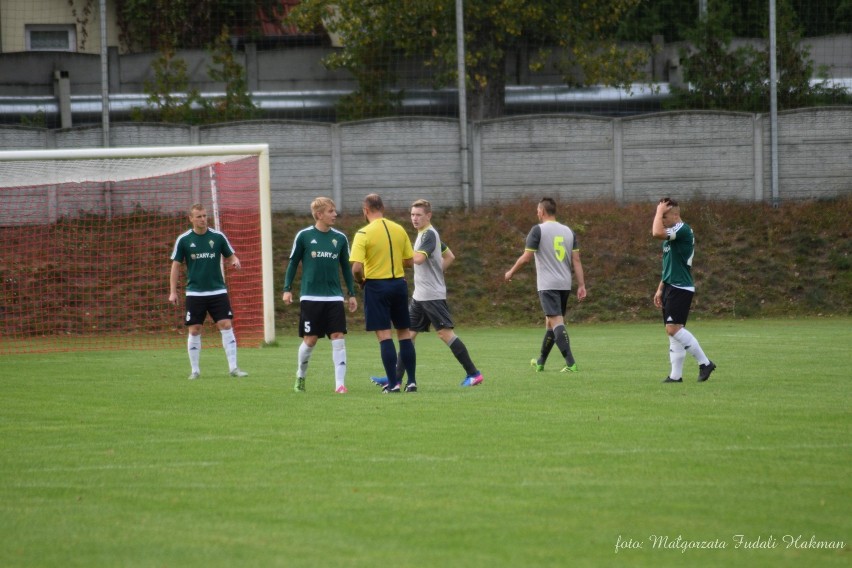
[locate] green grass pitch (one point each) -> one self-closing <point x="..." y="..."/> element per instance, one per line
<point x="115" y="459"/>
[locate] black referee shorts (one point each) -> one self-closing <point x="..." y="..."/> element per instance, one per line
<point x="386" y="304"/>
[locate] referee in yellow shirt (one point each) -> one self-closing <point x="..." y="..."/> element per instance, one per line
<point x="380" y="253"/>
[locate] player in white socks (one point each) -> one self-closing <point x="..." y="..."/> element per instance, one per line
<point x="203" y="249"/>
<point x="676" y="289"/>
<point x="323" y="252"/>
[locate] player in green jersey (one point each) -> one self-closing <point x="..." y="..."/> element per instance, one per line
<point x="676" y="289"/>
<point x="203" y="250"/>
<point x="323" y="252"/>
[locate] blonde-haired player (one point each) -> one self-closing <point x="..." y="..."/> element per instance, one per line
<point x="323" y="252"/>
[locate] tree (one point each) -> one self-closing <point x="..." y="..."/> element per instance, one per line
<point x="153" y="25"/>
<point x="718" y="77"/>
<point x="373" y="30"/>
<point x="668" y="18"/>
<point x="722" y="78"/>
<point x="825" y="17"/>
<point x="236" y="104"/>
<point x="170" y="98"/>
<point x="672" y="18"/>
<point x="169" y="94"/>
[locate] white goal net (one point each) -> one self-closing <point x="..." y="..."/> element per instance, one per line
<point x="87" y="236"/>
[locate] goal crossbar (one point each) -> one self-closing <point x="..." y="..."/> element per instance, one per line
<point x="117" y="164"/>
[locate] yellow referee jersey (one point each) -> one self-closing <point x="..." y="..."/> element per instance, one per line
<point x="381" y="247"/>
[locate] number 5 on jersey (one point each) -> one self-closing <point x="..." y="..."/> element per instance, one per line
<point x="559" y="248"/>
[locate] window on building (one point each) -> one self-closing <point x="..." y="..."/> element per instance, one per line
<point x="50" y="37"/>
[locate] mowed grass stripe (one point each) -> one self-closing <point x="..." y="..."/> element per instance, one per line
<point x="116" y="459"/>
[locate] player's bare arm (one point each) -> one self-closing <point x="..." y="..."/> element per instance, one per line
<point x="658" y="295"/>
<point x="447" y="259"/>
<point x="173" y="282"/>
<point x="579" y="275"/>
<point x="522" y="260"/>
<point x="658" y="228"/>
<point x="358" y="273"/>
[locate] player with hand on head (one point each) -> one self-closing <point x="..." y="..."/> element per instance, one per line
<point x="203" y="250"/>
<point x="555" y="249"/>
<point x="323" y="252"/>
<point x="676" y="289"/>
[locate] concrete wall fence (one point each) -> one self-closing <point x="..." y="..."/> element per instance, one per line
<point x="687" y="155"/>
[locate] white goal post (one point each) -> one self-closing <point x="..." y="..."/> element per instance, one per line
<point x="79" y="190"/>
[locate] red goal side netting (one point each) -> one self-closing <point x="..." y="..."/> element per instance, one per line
<point x="84" y="265"/>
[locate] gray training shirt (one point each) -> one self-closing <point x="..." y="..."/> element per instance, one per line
<point x="429" y="276"/>
<point x="552" y="243"/>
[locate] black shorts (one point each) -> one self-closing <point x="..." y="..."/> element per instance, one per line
<point x="197" y="308"/>
<point x="321" y="319"/>
<point x="435" y="312"/>
<point x="676" y="304"/>
<point x="386" y="303"/>
<point x="554" y="302"/>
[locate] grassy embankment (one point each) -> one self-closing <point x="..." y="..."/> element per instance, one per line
<point x="751" y="260"/>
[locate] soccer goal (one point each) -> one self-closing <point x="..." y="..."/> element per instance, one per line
<point x="87" y="235"/>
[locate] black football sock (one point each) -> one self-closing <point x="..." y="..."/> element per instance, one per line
<point x="389" y="360"/>
<point x="462" y="356"/>
<point x="400" y="369"/>
<point x="564" y="343"/>
<point x="546" y="346"/>
<point x="409" y="359"/>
